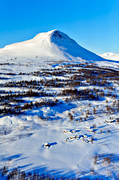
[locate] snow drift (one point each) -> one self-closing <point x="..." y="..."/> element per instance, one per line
<point x="53" y="44"/>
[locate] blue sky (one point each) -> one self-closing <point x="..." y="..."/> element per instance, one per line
<point x="94" y="24"/>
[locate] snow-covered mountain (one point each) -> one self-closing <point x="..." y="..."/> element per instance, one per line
<point x="50" y="44"/>
<point x="110" y="55"/>
<point x="59" y="118"/>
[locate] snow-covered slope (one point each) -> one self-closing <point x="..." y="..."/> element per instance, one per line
<point x="110" y="55"/>
<point x="61" y="121"/>
<point x="54" y="44"/>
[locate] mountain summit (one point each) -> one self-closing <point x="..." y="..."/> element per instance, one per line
<point x="53" y="44"/>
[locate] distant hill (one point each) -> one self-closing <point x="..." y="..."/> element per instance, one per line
<point x="110" y="55"/>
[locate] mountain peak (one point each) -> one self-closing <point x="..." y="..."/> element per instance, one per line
<point x="58" y="34"/>
<point x="53" y="34"/>
<point x="50" y="44"/>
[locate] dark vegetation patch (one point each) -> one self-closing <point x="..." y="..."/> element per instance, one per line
<point x="18" y="109"/>
<point x="18" y="174"/>
<point x="77" y="78"/>
<point x="85" y="94"/>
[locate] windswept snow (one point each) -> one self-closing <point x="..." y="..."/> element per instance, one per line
<point x="54" y="44"/>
